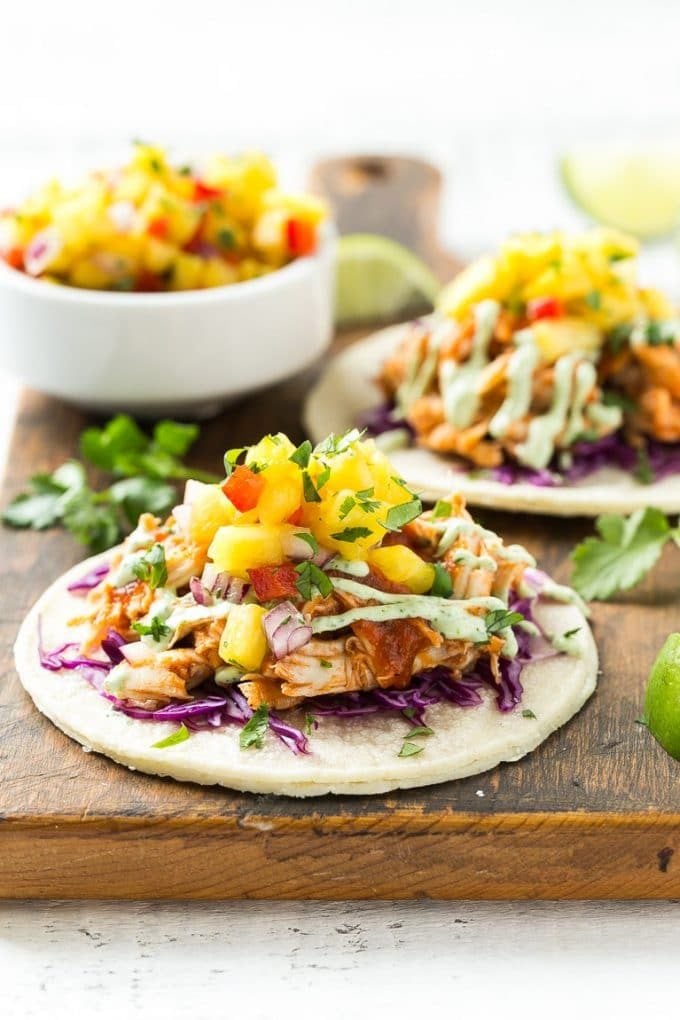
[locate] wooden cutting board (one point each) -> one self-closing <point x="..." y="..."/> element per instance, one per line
<point x="592" y="813"/>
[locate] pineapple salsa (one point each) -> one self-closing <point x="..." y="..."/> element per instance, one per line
<point x="152" y="226"/>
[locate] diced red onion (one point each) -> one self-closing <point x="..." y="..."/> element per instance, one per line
<point x="42" y="251"/>
<point x="221" y="584"/>
<point x="201" y="594"/>
<point x="286" y="629"/>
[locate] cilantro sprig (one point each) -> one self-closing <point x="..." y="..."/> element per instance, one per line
<point x="151" y="567"/>
<point x="143" y="465"/>
<point x="500" y="619"/>
<point x="626" y="549"/>
<point x="156" y="629"/>
<point x="253" y="733"/>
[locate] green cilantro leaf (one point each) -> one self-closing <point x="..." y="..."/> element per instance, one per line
<point x="408" y="749"/>
<point x="419" y="731"/>
<point x="226" y="239"/>
<point x="323" y="477"/>
<point x="152" y="567"/>
<point x="442" y="508"/>
<point x="91" y="520"/>
<point x="499" y="619"/>
<point x="334" y="444"/>
<point x="174" y="437"/>
<point x="156" y="629"/>
<point x="643" y="469"/>
<point x="594" y="300"/>
<point x="442" y="586"/>
<point x="308" y="537"/>
<point x="302" y="454"/>
<point x="178" y="737"/>
<point x="626" y="549"/>
<point x="398" y="516"/>
<point x="346" y="506"/>
<point x="310" y="723"/>
<point x="528" y="714"/>
<point x="308" y="489"/>
<point x="143" y="495"/>
<point x="253" y="733"/>
<point x="351" y="534"/>
<point x="310" y="577"/>
<point x="231" y="458"/>
<point x="325" y="664"/>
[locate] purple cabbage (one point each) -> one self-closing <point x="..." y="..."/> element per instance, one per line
<point x="384" y="418"/>
<point x="89" y="580"/>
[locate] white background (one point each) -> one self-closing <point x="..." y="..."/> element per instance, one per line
<point x="491" y="91"/>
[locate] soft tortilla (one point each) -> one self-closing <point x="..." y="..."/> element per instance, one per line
<point x="348" y="755"/>
<point x="347" y="390"/>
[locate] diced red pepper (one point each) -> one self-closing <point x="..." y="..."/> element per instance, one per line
<point x="203" y="192"/>
<point x="274" y="582"/>
<point x="148" y="281"/>
<point x="296" y="517"/>
<point x="15" y="258"/>
<point x="544" y="308"/>
<point x="158" y="227"/>
<point x="243" y="488"/>
<point x="301" y="237"/>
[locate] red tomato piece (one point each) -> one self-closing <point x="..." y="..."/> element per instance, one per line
<point x="15" y="258"/>
<point x="544" y="308"/>
<point x="296" y="517"/>
<point x="158" y="227"/>
<point x="243" y="488"/>
<point x="301" y="237"/>
<point x="148" y="281"/>
<point x="203" y="192"/>
<point x="274" y="582"/>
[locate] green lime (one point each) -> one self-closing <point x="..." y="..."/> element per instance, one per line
<point x="635" y="192"/>
<point x="662" y="701"/>
<point x="379" y="280"/>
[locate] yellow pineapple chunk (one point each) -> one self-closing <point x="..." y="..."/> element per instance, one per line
<point x="237" y="548"/>
<point x="244" y="642"/>
<point x="270" y="450"/>
<point x="209" y="510"/>
<point x="282" y="493"/>
<point x="555" y="337"/>
<point x="403" y="566"/>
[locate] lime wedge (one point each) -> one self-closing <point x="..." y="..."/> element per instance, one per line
<point x="631" y="191"/>
<point x="662" y="701"/>
<point x="379" y="280"/>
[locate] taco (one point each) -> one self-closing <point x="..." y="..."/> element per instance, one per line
<point x="547" y="380"/>
<point x="303" y="628"/>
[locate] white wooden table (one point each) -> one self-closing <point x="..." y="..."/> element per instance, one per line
<point x="259" y="960"/>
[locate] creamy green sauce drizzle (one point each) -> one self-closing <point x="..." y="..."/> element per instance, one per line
<point x="458" y="382"/>
<point x="552" y="590"/>
<point x="356" y="568"/>
<point x="465" y="558"/>
<point x="520" y="381"/>
<point x="539" y="445"/>
<point x="585" y="378"/>
<point x="124" y="572"/>
<point x="451" y="617"/>
<point x="420" y="373"/>
<point x="454" y="527"/>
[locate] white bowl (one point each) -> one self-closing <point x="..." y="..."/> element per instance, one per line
<point x="167" y="353"/>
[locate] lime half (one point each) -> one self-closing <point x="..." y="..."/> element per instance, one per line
<point x="379" y="280"/>
<point x="662" y="701"/>
<point x="634" y="192"/>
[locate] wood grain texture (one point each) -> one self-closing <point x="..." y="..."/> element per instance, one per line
<point x="594" y="812"/>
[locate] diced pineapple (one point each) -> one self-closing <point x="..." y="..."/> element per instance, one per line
<point x="158" y="255"/>
<point x="336" y="515"/>
<point x="186" y="272"/>
<point x="282" y="493"/>
<point x="86" y="273"/>
<point x="244" y="642"/>
<point x="218" y="273"/>
<point x="270" y="450"/>
<point x="481" y="279"/>
<point x="403" y="566"/>
<point x="209" y="510"/>
<point x="555" y="337"/>
<point x="237" y="548"/>
<point x="657" y="305"/>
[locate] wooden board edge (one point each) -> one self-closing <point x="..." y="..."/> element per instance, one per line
<point x="563" y="856"/>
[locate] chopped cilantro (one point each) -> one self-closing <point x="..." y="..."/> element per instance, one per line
<point x="346" y="506"/>
<point x="231" y="458"/>
<point x="310" y="723"/>
<point x="612" y="399"/>
<point x="309" y="490"/>
<point x="151" y="567"/>
<point x="325" y="664"/>
<point x="156" y="629"/>
<point x="398" y="516"/>
<point x="594" y="300"/>
<point x="253" y="733"/>
<point x="619" y="336"/>
<point x="570" y="633"/>
<point x="334" y="444"/>
<point x="499" y="619"/>
<point x="308" y="537"/>
<point x="178" y="737"/>
<point x="527" y="714"/>
<point x="442" y="508"/>
<point x="310" y="577"/>
<point x="419" y="731"/>
<point x="627" y="548"/>
<point x="351" y="534"/>
<point x="442" y="585"/>
<point x="226" y="239"/>
<point x="302" y="454"/>
<point x="408" y="749"/>
<point x="323" y="477"/>
<point x="643" y="469"/>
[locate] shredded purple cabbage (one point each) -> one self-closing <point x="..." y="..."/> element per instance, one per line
<point x="383" y="418"/>
<point x="89" y="580"/>
<point x="215" y="706"/>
